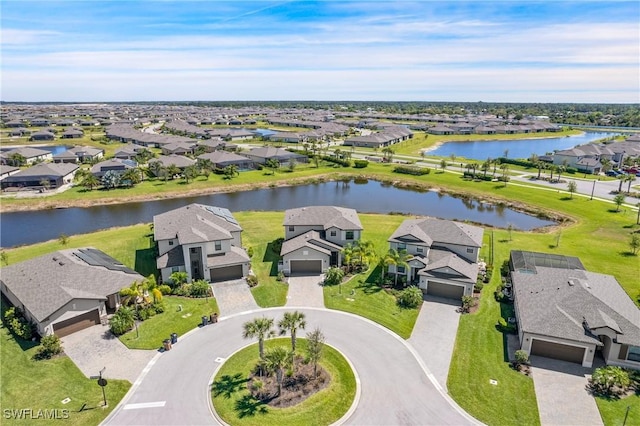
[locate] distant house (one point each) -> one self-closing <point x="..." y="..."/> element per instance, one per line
<point x="179" y="148"/>
<point x="42" y="136"/>
<point x="128" y="152"/>
<point x="566" y="312"/>
<point x="222" y="159"/>
<point x="203" y="241"/>
<point x="575" y="157"/>
<point x="210" y="145"/>
<point x="79" y="154"/>
<point x="72" y="134"/>
<point x="314" y="237"/>
<point x="6" y="171"/>
<point x="68" y="290"/>
<point x="30" y="155"/>
<point x="117" y="165"/>
<point x="443" y="255"/>
<point x="55" y="174"/>
<point x="282" y="156"/>
<point x="179" y="161"/>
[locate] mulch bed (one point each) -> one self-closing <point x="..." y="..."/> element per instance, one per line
<point x="296" y="387"/>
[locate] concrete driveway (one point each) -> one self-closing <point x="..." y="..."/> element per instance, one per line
<point x="561" y="393"/>
<point x="434" y="335"/>
<point x="234" y="297"/>
<point x="305" y="290"/>
<point x="394" y="386"/>
<point x="95" y="347"/>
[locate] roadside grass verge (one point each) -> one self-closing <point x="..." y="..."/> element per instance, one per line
<point x="233" y="402"/>
<point x="613" y="411"/>
<point x="181" y="315"/>
<point x="43" y="385"/>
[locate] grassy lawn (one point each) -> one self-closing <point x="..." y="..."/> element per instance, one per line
<point x="173" y="320"/>
<point x="613" y="410"/>
<point x="233" y="403"/>
<point x="42" y="385"/>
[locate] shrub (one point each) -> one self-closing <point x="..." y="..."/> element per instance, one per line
<point x="200" y="288"/>
<point x="164" y="289"/>
<point x="610" y="380"/>
<point x="467" y="303"/>
<point x="410" y="298"/>
<point x="343" y="163"/>
<point x="412" y="170"/>
<point x="252" y="280"/>
<point x="183" y="290"/>
<point x="360" y="164"/>
<point x="479" y="286"/>
<point x="9" y="314"/>
<point x="50" y="346"/>
<point x="159" y="307"/>
<point x="250" y="252"/>
<point x="280" y="276"/>
<point x="333" y="276"/>
<point x="15" y="321"/>
<point x="522" y="357"/>
<point x="122" y="321"/>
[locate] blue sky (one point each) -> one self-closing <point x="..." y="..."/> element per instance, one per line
<point x="500" y="51"/>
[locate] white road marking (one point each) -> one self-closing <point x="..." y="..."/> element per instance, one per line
<point x="144" y="405"/>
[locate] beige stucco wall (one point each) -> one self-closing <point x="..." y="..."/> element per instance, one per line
<point x="304" y="254"/>
<point x="587" y="361"/>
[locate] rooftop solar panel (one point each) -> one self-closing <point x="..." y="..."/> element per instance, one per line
<point x="95" y="257"/>
<point x="222" y="213"/>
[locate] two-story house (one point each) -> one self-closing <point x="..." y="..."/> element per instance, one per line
<point x="314" y="237"/>
<point x="203" y="241"/>
<point x="442" y="255"/>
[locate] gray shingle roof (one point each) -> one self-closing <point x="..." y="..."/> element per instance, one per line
<point x="46" y="169"/>
<point x="195" y="223"/>
<point x="445" y="264"/>
<point x="310" y="240"/>
<point x="556" y="301"/>
<point x="440" y="231"/>
<point x="325" y="216"/>
<point x="46" y="283"/>
<point x="234" y="256"/>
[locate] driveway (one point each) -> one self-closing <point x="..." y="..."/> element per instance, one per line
<point x="305" y="290"/>
<point x="95" y="347"/>
<point x="434" y="335"/>
<point x="395" y="389"/>
<point x="234" y="297"/>
<point x="561" y="393"/>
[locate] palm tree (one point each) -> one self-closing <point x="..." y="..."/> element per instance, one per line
<point x="205" y="166"/>
<point x="276" y="360"/>
<point x="16" y="159"/>
<point x="155" y="167"/>
<point x="347" y="255"/>
<point x="260" y="328"/>
<point x="130" y="176"/>
<point x="364" y="251"/>
<point x="505" y="168"/>
<point x="541" y="165"/>
<point x="561" y="170"/>
<point x="111" y="179"/>
<point x="443" y="164"/>
<point x="397" y="258"/>
<point x="630" y="178"/>
<point x="172" y="170"/>
<point x="231" y="171"/>
<point x="190" y="172"/>
<point x="90" y="181"/>
<point x="315" y="344"/>
<point x="486" y="166"/>
<point x="292" y="321"/>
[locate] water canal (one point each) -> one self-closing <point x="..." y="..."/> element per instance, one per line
<point x="368" y="196"/>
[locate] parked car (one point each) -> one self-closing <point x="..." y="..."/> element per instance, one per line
<point x="612" y="173"/>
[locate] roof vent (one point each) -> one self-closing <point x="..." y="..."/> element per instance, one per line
<point x="61" y="263"/>
<point x="55" y="259"/>
<point x="571" y="282"/>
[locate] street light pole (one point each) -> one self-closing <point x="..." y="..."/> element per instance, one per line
<point x="102" y="384"/>
<point x="593" y="189"/>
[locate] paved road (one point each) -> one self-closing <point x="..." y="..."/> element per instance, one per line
<point x="395" y="387"/>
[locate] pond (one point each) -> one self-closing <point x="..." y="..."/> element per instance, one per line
<point x="366" y="197"/>
<point x="518" y="148"/>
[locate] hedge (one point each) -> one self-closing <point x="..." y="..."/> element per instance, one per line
<point x="412" y="170"/>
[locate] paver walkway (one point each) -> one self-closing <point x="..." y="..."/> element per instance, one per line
<point x="95" y="348"/>
<point x="434" y="335"/>
<point x="233" y="297"/>
<point x="305" y="291"/>
<point x="561" y="393"/>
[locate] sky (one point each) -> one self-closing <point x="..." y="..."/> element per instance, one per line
<point x="334" y="50"/>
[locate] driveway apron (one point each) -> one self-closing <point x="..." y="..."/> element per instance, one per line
<point x="561" y="393"/>
<point x="233" y="297"/>
<point x="95" y="348"/>
<point x="305" y="291"/>
<point x="434" y="335"/>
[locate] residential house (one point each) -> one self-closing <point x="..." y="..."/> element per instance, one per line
<point x="314" y="237"/>
<point x="222" y="159"/>
<point x="42" y="136"/>
<point x="72" y="134"/>
<point x="68" y="290"/>
<point x="203" y="241"/>
<point x="79" y="154"/>
<point x="443" y="255"/>
<point x="180" y="161"/>
<point x="574" y="157"/>
<point x="53" y="174"/>
<point x="128" y="152"/>
<point x="282" y="156"/>
<point x="566" y="312"/>
<point x="6" y="171"/>
<point x="117" y="165"/>
<point x="30" y="155"/>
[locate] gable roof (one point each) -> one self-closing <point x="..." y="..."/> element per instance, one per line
<point x="45" y="170"/>
<point x="432" y="231"/>
<point x="46" y="283"/>
<point x="309" y="240"/>
<point x="195" y="223"/>
<point x="325" y="216"/>
<point x="445" y="264"/>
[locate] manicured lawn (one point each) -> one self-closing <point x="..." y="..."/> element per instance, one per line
<point x="42" y="385"/>
<point x="182" y="314"/>
<point x="232" y="401"/>
<point x="613" y="410"/>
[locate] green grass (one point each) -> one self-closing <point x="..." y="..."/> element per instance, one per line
<point x="322" y="408"/>
<point x="159" y="327"/>
<point x="613" y="410"/>
<point x="42" y="385"/>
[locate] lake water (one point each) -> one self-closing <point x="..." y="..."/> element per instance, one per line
<point x="370" y="196"/>
<point x="518" y="148"/>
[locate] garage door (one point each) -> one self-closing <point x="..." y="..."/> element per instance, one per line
<point x="445" y="290"/>
<point x="66" y="327"/>
<point x="557" y="351"/>
<point x="227" y="273"/>
<point x="306" y="267"/>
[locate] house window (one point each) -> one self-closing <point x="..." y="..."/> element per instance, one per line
<point x="400" y="269"/>
<point x="218" y="245"/>
<point x="170" y="243"/>
<point x="175" y="269"/>
<point x="634" y="353"/>
<point x="349" y="235"/>
<point x="192" y="250"/>
<point x="469" y="250"/>
<point x="419" y="249"/>
<point x="402" y="246"/>
<point x="292" y="228"/>
<point x="333" y="233"/>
